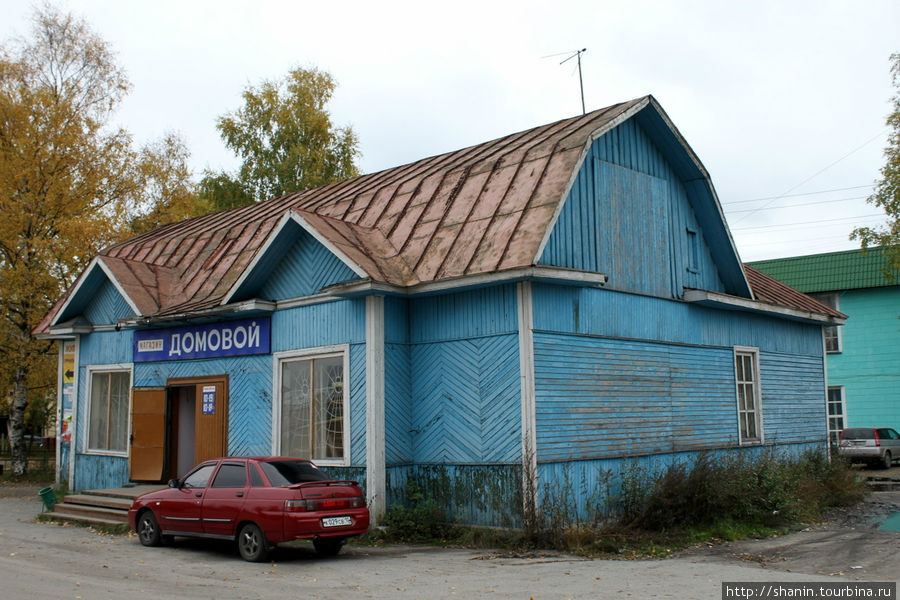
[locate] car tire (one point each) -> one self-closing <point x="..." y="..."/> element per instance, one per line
<point x="148" y="529"/>
<point x="328" y="546"/>
<point x="887" y="461"/>
<point x="251" y="543"/>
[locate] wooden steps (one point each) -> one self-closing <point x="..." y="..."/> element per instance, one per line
<point x="98" y="507"/>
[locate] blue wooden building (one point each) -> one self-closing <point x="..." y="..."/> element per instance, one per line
<point x="495" y="324"/>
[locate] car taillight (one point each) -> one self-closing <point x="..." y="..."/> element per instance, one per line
<point x="295" y="506"/>
<point x="841" y="436"/>
<point x="877" y="438"/>
<point x="316" y="504"/>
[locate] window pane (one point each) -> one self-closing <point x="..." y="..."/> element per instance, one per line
<point x="118" y="411"/>
<point x="230" y="476"/>
<point x="329" y="408"/>
<point x="751" y="426"/>
<point x="198" y="478"/>
<point x="98" y="438"/>
<point x="295" y="408"/>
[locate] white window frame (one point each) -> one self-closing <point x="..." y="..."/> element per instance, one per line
<point x="740" y="351"/>
<point x="834" y="301"/>
<point x="841" y="390"/>
<point x="342" y="350"/>
<point x="90" y="370"/>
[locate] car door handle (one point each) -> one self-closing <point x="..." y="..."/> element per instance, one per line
<point x="240" y="494"/>
<point x="198" y="494"/>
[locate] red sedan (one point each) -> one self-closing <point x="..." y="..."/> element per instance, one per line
<point x="259" y="502"/>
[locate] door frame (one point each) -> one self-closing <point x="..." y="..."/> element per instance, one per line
<point x="221" y="403"/>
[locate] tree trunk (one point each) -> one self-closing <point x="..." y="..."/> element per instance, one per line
<point x="16" y="425"/>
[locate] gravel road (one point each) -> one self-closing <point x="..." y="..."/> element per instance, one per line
<point x="39" y="560"/>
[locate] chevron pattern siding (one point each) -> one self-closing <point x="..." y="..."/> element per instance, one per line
<point x="306" y="268"/>
<point x="397" y="405"/>
<point x="358" y="404"/>
<point x="107" y="307"/>
<point x="466" y="401"/>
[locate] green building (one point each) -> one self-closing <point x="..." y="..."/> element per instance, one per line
<point x="863" y="356"/>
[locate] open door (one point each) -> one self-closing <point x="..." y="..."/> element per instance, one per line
<point x="148" y="434"/>
<point x="211" y="422"/>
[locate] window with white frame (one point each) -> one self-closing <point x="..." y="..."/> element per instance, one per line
<point x="832" y="333"/>
<point x="109" y="395"/>
<point x="746" y="375"/>
<point x="835" y="413"/>
<point x="313" y="407"/>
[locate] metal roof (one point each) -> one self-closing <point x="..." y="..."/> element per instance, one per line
<point x="771" y="291"/>
<point x="479" y="210"/>
<point x="833" y="271"/>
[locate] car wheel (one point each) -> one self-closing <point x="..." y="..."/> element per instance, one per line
<point x="888" y="460"/>
<point x="328" y="546"/>
<point x="251" y="543"/>
<point x="148" y="529"/>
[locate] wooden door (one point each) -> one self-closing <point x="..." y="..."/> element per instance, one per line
<point x="211" y="424"/>
<point x="148" y="434"/>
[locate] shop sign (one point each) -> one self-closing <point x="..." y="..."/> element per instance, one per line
<point x="216" y="340"/>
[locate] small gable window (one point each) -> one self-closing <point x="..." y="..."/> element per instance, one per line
<point x="693" y="251"/>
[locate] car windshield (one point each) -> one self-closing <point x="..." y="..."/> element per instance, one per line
<point x="288" y="472"/>
<point x="860" y="433"/>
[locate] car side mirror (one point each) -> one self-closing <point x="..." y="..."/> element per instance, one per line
<point x="174" y="483"/>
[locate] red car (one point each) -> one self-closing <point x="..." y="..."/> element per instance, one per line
<point x="259" y="502"/>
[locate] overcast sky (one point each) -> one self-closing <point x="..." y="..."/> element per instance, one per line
<point x="782" y="101"/>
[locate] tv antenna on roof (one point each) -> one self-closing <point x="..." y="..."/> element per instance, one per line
<point x="576" y="54"/>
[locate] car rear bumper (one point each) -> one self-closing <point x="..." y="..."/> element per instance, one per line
<point x="299" y="525"/>
<point x="863" y="453"/>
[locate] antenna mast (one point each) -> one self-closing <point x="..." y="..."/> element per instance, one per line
<point x="578" y="54"/>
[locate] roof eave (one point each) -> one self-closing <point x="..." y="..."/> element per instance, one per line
<point x="246" y="307"/>
<point x="554" y="275"/>
<point x="728" y="302"/>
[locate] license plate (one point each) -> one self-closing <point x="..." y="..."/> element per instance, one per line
<point x="336" y="521"/>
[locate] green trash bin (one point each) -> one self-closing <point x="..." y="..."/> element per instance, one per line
<point x="48" y="497"/>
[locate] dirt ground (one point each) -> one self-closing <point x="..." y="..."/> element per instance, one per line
<point x="40" y="560"/>
<point x="846" y="544"/>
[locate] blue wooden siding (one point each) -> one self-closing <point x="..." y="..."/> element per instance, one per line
<point x="325" y="324"/>
<point x="489" y="495"/>
<point x="629" y="216"/>
<point x="98" y="472"/>
<point x="398" y="421"/>
<point x="793" y="398"/>
<point x="465" y="400"/>
<point x="465" y="388"/>
<point x="585" y="490"/>
<point x="601" y="398"/>
<point x="485" y="311"/>
<point x="603" y="312"/>
<point x="107" y="306"/>
<point x="305" y="269"/>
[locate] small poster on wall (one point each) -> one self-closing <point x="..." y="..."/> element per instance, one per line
<point x="209" y="400"/>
